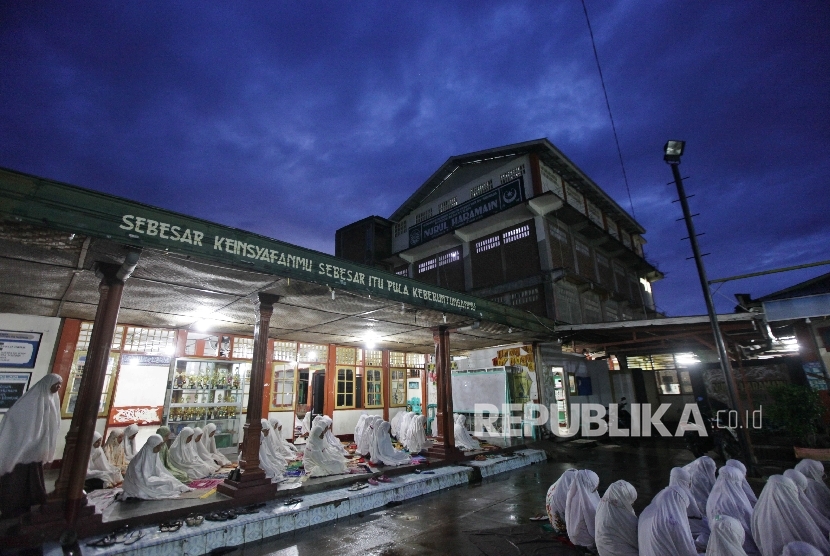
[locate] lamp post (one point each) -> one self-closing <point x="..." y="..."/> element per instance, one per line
<point x="671" y="154"/>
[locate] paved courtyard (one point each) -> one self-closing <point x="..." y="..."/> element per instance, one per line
<point x="457" y="521"/>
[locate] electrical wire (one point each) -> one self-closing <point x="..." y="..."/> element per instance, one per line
<point x="608" y="105"/>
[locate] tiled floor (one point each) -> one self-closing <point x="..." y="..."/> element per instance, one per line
<point x="315" y="509"/>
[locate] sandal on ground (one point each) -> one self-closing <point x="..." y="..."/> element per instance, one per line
<point x="108" y="540"/>
<point x="122" y="533"/>
<point x="373" y="482"/>
<point x="133" y="536"/>
<point x="292" y="501"/>
<point x="539" y="517"/>
<point x="194" y="520"/>
<point x="230" y="514"/>
<point x="384" y="479"/>
<point x="216" y="516"/>
<point x="358" y="486"/>
<point x="422" y="472"/>
<point x="252" y="509"/>
<point x="170" y="526"/>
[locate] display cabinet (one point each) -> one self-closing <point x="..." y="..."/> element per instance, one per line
<point x="208" y="391"/>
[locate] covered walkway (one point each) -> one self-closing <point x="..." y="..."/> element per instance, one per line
<point x="72" y="253"/>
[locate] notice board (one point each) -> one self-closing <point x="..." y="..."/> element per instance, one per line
<point x="19" y="349"/>
<point x="12" y="386"/>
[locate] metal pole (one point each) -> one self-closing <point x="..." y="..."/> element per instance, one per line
<point x="723" y="357"/>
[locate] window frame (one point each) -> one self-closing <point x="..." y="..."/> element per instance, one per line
<point x="109" y="383"/>
<point x="400" y="380"/>
<point x="368" y="381"/>
<point x="344" y="383"/>
<point x="287" y="366"/>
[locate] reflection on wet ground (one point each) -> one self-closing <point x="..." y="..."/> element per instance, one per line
<point x="438" y="523"/>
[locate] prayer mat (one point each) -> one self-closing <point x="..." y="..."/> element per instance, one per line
<point x="204" y="483"/>
<point x="104" y="498"/>
<point x="196" y="494"/>
<point x="521" y="540"/>
<point x="358" y="469"/>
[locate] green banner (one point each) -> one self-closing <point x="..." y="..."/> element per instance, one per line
<point x="47" y="203"/>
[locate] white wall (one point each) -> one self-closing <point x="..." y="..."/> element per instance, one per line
<point x="286" y="419"/>
<point x="49" y="327"/>
<point x="345" y="420"/>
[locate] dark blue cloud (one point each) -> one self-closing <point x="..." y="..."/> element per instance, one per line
<point x="292" y="120"/>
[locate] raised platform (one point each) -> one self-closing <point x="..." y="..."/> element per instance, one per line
<point x="315" y="508"/>
<point x="501" y="463"/>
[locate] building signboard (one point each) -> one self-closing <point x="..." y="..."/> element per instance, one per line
<point x="41" y="202"/>
<point x="478" y="208"/>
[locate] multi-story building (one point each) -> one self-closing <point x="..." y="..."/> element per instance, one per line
<point x="521" y="225"/>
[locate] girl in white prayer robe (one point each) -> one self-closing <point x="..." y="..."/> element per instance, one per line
<point x="817" y="491"/>
<point x="463" y="440"/>
<point x="372" y="423"/>
<point x="728" y="498"/>
<point x="130" y="449"/>
<point x="320" y="458"/>
<point x="147" y="478"/>
<point x="270" y="459"/>
<point x="406" y="422"/>
<point x="182" y="454"/>
<point x="202" y="451"/>
<point x="284" y="448"/>
<point x="726" y="537"/>
<point x="417" y="435"/>
<point x="557" y="498"/>
<point x="98" y="466"/>
<point x="616" y="522"/>
<point x="750" y="494"/>
<point x="581" y="508"/>
<point x="779" y="518"/>
<point x="702" y="472"/>
<point x="395" y="423"/>
<point x="361" y="439"/>
<point x="210" y="444"/>
<point x="333" y="440"/>
<point x="663" y="527"/>
<point x="802" y="482"/>
<point x="383" y="450"/>
<point x="799" y="548"/>
<point x="698" y="524"/>
<point x="305" y="424"/>
<point x="114" y="450"/>
<point x="28" y="434"/>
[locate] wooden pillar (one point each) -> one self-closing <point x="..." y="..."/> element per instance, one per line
<point x="386" y="375"/>
<point x="70" y="483"/>
<point x="253" y="483"/>
<point x="269" y="376"/>
<point x="330" y="385"/>
<point x="444" y="447"/>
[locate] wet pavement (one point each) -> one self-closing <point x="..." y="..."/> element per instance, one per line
<point x="441" y="523"/>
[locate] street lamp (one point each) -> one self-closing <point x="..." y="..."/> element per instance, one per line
<point x="673" y="151"/>
<point x="671" y="154"/>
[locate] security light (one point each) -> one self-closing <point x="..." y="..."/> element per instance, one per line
<point x="673" y="151"/>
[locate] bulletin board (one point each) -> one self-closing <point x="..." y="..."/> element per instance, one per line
<point x="12" y="387"/>
<point x="19" y="349"/>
